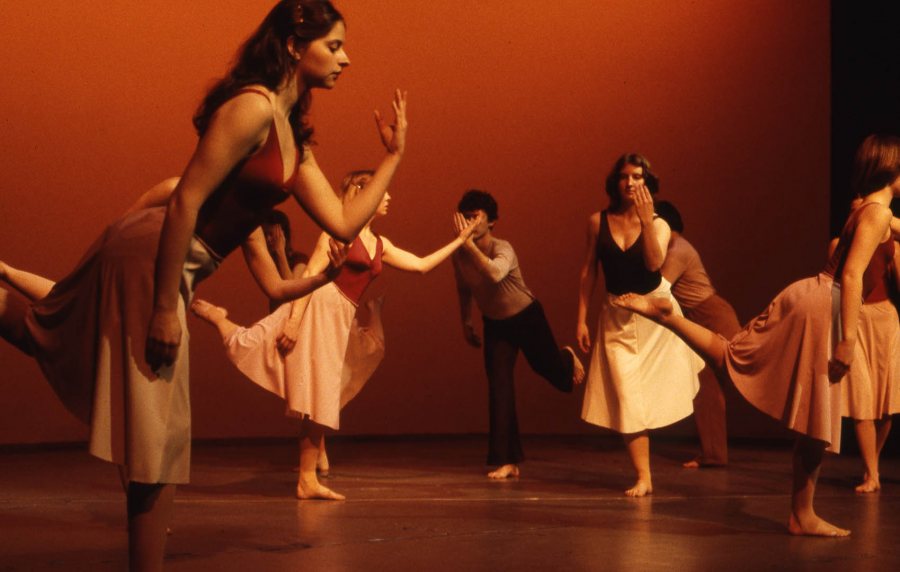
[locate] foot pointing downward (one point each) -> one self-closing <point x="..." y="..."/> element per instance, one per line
<point x="209" y="312"/>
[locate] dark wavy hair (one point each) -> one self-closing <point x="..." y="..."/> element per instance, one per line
<point x="612" y="179"/>
<point x="264" y="59"/>
<point x="670" y="214"/>
<point x="475" y="199"/>
<point x="877" y="164"/>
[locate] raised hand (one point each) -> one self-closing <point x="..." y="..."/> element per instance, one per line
<point x="464" y="228"/>
<point x="394" y="136"/>
<point x="643" y="205"/>
<point x="163" y="339"/>
<point x="275" y="240"/>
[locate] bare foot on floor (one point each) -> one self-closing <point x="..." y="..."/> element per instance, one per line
<point x="656" y="309"/>
<point x="577" y="366"/>
<point x="317" y="492"/>
<point x="869" y="485"/>
<point x="814" y="526"/>
<point x="640" y="489"/>
<point x="505" y="472"/>
<point x="209" y="312"/>
<point x="701" y="463"/>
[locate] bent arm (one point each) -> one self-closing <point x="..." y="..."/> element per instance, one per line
<point x="264" y="271"/>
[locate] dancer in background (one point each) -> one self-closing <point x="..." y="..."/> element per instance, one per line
<point x="870" y="392"/>
<point x="116" y="356"/>
<point x="300" y="351"/>
<point x="788" y="361"/>
<point x="487" y="270"/>
<point x="641" y="376"/>
<point x="700" y="303"/>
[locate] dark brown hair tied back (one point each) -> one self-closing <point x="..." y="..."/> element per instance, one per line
<point x="264" y="59"/>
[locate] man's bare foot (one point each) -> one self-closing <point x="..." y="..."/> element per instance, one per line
<point x="504" y="472"/>
<point x="702" y="463"/>
<point x="869" y="485"/>
<point x="640" y="489"/>
<point x="814" y="526"/>
<point x="577" y="366"/>
<point x="209" y="312"/>
<point x="316" y="491"/>
<point x="322" y="465"/>
<point x="656" y="309"/>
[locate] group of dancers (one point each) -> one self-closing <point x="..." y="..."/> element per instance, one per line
<point x="110" y="337"/>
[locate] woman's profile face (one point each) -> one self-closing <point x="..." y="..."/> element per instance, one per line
<point x="383" y="206"/>
<point x="322" y="60"/>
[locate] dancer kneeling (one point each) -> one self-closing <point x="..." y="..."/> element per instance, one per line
<point x="298" y="352"/>
<point x="788" y="360"/>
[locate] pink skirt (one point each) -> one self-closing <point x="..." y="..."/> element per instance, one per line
<point x="779" y="361"/>
<point x="871" y="389"/>
<point x="88" y="336"/>
<point x="324" y="370"/>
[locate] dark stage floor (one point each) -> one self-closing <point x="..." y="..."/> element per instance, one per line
<point x="424" y="504"/>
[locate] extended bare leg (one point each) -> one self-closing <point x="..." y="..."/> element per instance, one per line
<point x="13" y="308"/>
<point x="30" y="285"/>
<point x="708" y="344"/>
<point x="308" y="485"/>
<point x="808" y="455"/>
<point x="871" y="436"/>
<point x="639" y="450"/>
<point x="215" y="315"/>
<point x="149" y="514"/>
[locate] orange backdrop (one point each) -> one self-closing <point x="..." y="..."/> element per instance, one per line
<point x="532" y="101"/>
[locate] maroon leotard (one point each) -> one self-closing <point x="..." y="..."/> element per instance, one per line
<point x="359" y="270"/>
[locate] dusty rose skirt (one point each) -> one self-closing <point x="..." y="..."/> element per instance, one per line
<point x="871" y="390"/>
<point x="330" y="363"/>
<point x="88" y="336"/>
<point x="779" y="361"/>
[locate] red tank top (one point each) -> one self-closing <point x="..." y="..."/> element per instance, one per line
<point x="359" y="270"/>
<point x="247" y="194"/>
<point x="877" y="273"/>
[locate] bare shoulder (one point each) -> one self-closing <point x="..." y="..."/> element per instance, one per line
<point x="594" y="223"/>
<point x="249" y="112"/>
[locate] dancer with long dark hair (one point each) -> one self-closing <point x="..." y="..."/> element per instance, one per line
<point x="788" y="361"/>
<point x="109" y="336"/>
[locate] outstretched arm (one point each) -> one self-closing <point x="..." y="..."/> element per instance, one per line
<point x="873" y="227"/>
<point x="403" y="260"/>
<point x="344" y="220"/>
<point x="263" y="269"/>
<point x="586" y="283"/>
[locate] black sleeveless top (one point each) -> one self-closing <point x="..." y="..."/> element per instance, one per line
<point x="624" y="270"/>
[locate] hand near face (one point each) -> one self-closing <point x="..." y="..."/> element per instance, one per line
<point x="275" y="240"/>
<point x="394" y="136"/>
<point x="465" y="228"/>
<point x="643" y="204"/>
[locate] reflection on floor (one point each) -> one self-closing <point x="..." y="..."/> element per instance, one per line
<point x="424" y="504"/>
